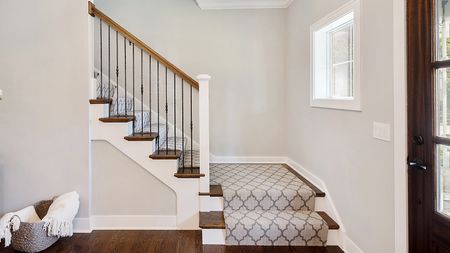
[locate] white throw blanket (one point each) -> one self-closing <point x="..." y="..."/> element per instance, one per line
<point x="11" y="221"/>
<point x="58" y="221"/>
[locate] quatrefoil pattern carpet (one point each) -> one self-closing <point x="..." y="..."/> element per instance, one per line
<point x="265" y="204"/>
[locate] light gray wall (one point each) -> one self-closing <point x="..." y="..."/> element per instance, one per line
<point x="44" y="113"/>
<point x="243" y="50"/>
<point x="337" y="145"/>
<point x="122" y="187"/>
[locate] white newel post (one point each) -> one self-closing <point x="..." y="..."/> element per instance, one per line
<point x="204" y="130"/>
<point x="93" y="88"/>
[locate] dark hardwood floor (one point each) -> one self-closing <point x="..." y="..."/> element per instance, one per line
<point x="159" y="242"/>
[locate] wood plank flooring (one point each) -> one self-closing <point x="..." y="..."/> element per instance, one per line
<point x="159" y="242"/>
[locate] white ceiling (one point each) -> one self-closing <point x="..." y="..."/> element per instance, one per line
<point x="242" y="4"/>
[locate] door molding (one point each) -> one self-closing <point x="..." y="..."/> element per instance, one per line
<point x="400" y="127"/>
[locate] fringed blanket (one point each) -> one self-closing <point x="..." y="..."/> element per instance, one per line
<point x="11" y="221"/>
<point x="58" y="221"/>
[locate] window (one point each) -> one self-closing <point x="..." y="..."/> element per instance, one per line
<point x="335" y="60"/>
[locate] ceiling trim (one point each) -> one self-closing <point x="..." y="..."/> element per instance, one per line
<point x="242" y="4"/>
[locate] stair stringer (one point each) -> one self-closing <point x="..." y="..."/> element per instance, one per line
<point x="186" y="190"/>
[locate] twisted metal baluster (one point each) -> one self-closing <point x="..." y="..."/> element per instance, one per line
<point x="157" y="100"/>
<point x="175" y="110"/>
<point x="109" y="68"/>
<point x="167" y="119"/>
<point x="182" y="119"/>
<point x="192" y="135"/>
<point x="142" y="95"/>
<point x="150" y="91"/>
<point x="117" y="70"/>
<point x="125" y="73"/>
<point x="101" y="59"/>
<point x="134" y="106"/>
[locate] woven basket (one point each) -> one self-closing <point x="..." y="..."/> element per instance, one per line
<point x="31" y="237"/>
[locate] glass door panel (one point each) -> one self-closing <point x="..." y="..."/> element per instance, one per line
<point x="443" y="33"/>
<point x="442" y="102"/>
<point x="443" y="179"/>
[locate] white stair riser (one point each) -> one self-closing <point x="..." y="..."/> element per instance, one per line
<point x="208" y="204"/>
<point x="213" y="236"/>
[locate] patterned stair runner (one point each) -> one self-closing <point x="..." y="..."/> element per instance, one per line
<point x="265" y="204"/>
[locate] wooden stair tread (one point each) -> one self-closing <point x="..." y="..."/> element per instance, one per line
<point x="100" y="101"/>
<point x="319" y="193"/>
<point x="117" y="119"/>
<point x="166" y="155"/>
<point x="188" y="172"/>
<point x="214" y="191"/>
<point x="332" y="225"/>
<point x="212" y="220"/>
<point x="141" y="137"/>
<point x="185" y="175"/>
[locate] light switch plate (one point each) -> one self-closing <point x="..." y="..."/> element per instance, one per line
<point x="382" y="131"/>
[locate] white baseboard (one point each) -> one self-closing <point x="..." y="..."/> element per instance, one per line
<point x="125" y="222"/>
<point x="134" y="222"/>
<point x="247" y="159"/>
<point x="82" y="225"/>
<point x="350" y="246"/>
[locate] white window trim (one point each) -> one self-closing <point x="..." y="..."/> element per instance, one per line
<point x="352" y="104"/>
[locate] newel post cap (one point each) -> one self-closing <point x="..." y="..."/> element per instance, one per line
<point x="203" y="77"/>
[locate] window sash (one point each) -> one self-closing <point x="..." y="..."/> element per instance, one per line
<point x="331" y="73"/>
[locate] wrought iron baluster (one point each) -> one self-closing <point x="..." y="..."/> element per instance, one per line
<point x="150" y="91"/>
<point x="167" y="119"/>
<point x="109" y="67"/>
<point x="175" y="111"/>
<point x="117" y="70"/>
<point x="125" y="75"/>
<point x="142" y="94"/>
<point x="134" y="120"/>
<point x="192" y="135"/>
<point x="101" y="59"/>
<point x="182" y="119"/>
<point x="157" y="100"/>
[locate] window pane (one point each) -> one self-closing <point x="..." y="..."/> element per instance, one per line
<point x="443" y="179"/>
<point x="342" y="80"/>
<point x="443" y="21"/>
<point x="342" y="48"/>
<point x="443" y="102"/>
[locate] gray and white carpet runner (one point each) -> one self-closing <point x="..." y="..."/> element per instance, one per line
<point x="265" y="204"/>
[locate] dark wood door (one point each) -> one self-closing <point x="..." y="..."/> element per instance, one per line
<point x="428" y="32"/>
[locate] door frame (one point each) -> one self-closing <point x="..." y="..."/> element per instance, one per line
<point x="400" y="127"/>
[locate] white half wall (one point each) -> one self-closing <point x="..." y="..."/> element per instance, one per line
<point x="120" y="186"/>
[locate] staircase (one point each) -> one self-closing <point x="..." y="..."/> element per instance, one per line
<point x="268" y="205"/>
<point x="158" y="116"/>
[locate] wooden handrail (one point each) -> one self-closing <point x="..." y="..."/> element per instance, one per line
<point x="96" y="12"/>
